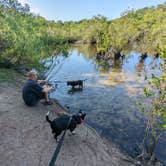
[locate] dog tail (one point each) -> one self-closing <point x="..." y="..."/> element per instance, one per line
<point x="47" y="117"/>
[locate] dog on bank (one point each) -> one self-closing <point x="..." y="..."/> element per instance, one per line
<point x="61" y="123"/>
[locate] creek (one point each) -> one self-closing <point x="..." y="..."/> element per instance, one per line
<point x="110" y="94"/>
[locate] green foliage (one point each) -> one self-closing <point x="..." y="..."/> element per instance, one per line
<point x="155" y="112"/>
<point x="144" y="28"/>
<point x="147" y="92"/>
<point x="26" y="38"/>
<point x="7" y="75"/>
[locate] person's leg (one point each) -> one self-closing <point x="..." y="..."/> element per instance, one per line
<point x="47" y="99"/>
<point x="46" y="96"/>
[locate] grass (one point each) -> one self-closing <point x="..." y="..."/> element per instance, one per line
<point x="8" y="75"/>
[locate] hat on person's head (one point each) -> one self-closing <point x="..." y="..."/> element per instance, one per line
<point x="32" y="72"/>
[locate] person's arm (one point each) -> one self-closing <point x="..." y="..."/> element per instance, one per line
<point x="36" y="88"/>
<point x="47" y="88"/>
<point x="41" y="81"/>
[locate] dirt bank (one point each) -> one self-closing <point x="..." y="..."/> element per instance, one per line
<point x="26" y="138"/>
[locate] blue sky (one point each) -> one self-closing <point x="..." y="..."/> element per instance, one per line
<point x="67" y="10"/>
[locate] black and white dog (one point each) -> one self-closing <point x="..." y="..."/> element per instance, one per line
<point x="59" y="124"/>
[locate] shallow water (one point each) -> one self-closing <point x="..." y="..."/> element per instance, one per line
<point x="110" y="94"/>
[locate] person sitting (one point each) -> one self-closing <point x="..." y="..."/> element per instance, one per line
<point x="33" y="92"/>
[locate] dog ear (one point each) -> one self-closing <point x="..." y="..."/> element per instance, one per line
<point x="80" y="111"/>
<point x="83" y="115"/>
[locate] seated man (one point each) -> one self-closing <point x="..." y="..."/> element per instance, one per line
<point x="33" y="91"/>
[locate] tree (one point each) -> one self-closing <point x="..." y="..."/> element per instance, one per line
<point x="156" y="114"/>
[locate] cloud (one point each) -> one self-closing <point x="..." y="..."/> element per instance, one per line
<point x="35" y="10"/>
<point x="32" y="8"/>
<point x="23" y="2"/>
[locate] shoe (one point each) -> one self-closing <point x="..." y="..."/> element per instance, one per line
<point x="73" y="132"/>
<point x="48" y="103"/>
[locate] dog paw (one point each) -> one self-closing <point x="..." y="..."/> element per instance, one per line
<point x="57" y="140"/>
<point x="73" y="132"/>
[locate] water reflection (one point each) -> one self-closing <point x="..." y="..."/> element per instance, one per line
<point x="75" y="90"/>
<point x="140" y="66"/>
<point x="109" y="95"/>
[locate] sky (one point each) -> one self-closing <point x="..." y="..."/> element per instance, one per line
<point x="75" y="10"/>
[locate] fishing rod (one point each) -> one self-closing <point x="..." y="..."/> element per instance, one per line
<point x="51" y="71"/>
<point x="60" y="66"/>
<point x="56" y="82"/>
<point x="71" y="83"/>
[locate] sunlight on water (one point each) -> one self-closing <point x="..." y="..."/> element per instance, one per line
<point x="116" y="78"/>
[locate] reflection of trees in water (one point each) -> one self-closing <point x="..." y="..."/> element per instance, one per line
<point x="153" y="65"/>
<point x="118" y="63"/>
<point x="75" y="90"/>
<point x="140" y="67"/>
<point x="103" y="65"/>
<point x="156" y="63"/>
<point x="89" y="52"/>
<point x="106" y="65"/>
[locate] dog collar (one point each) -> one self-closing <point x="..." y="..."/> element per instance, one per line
<point x="81" y="120"/>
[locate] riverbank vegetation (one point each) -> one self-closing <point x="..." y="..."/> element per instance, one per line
<point x="26" y="37"/>
<point x="154" y="112"/>
<point x="10" y="76"/>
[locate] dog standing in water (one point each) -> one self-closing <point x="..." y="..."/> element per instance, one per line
<point x="73" y="84"/>
<point x="78" y="83"/>
<point x="61" y="123"/>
